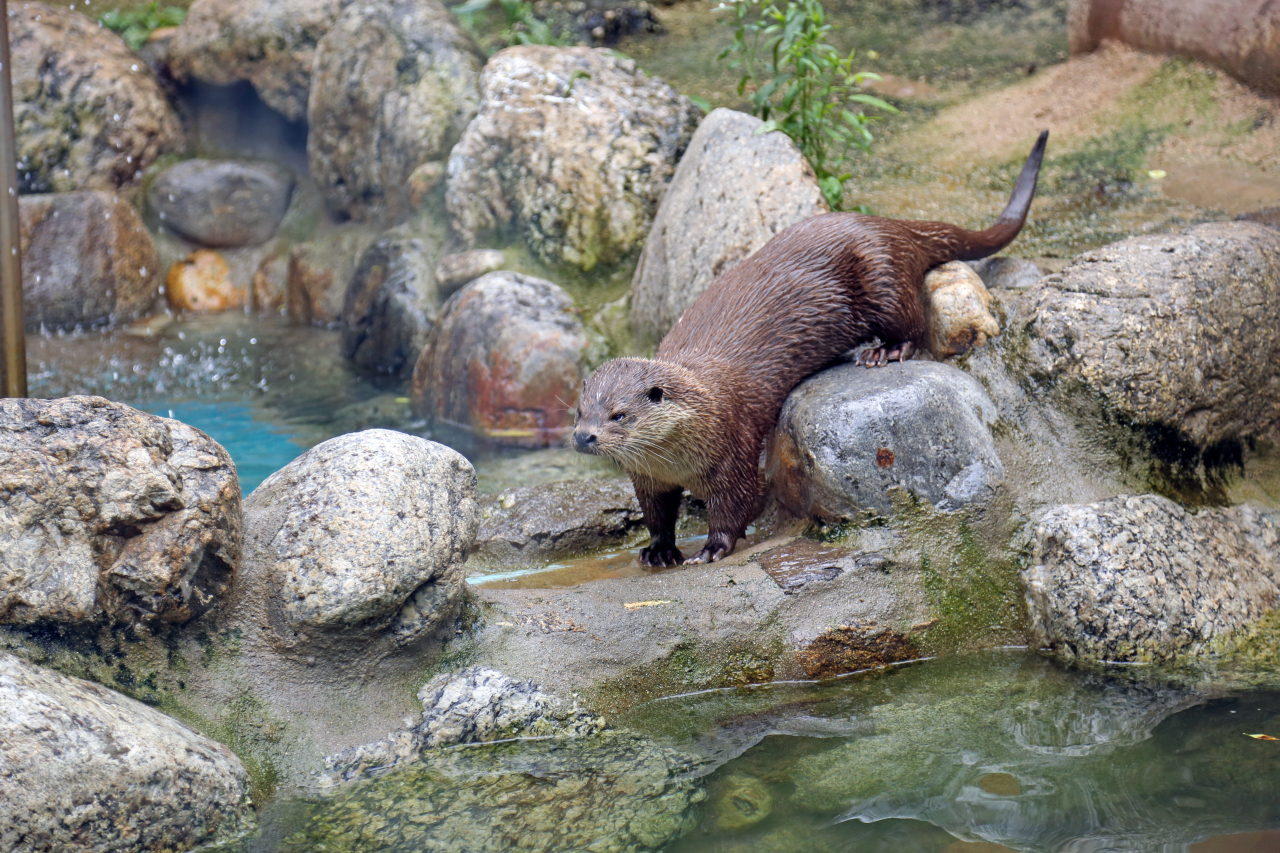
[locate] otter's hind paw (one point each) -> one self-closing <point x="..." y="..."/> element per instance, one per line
<point x="659" y="556"/>
<point x="718" y="545"/>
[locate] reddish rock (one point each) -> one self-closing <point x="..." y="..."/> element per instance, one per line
<point x="853" y="648"/>
<point x="202" y="284"/>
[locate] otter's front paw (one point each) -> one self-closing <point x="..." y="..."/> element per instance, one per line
<point x="718" y="545"/>
<point x="661" y="555"/>
<point x="882" y="355"/>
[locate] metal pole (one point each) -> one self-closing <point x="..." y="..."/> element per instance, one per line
<point x="13" y="338"/>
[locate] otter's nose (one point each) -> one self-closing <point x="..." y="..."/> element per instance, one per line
<point x="584" y="442"/>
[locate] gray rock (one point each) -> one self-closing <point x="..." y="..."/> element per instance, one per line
<point x="88" y="769"/>
<point x="476" y="705"/>
<point x="222" y="203"/>
<point x="849" y="434"/>
<point x="392" y="303"/>
<point x="108" y="510"/>
<point x="87" y="259"/>
<point x="534" y="524"/>
<point x="574" y="146"/>
<point x="1181" y="329"/>
<point x="504" y="362"/>
<point x="1007" y="273"/>
<point x="87" y="110"/>
<point x="461" y="268"/>
<point x="393" y="86"/>
<point x="269" y="43"/>
<point x="1140" y="579"/>
<point x="362" y="539"/>
<point x="731" y="193"/>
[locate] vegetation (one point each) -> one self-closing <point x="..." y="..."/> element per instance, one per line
<point x="135" y="25"/>
<point x="521" y="25"/>
<point x="800" y="84"/>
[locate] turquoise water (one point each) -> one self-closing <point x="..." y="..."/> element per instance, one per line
<point x="258" y="448"/>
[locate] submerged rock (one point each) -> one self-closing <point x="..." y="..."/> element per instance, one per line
<point x="87" y="260"/>
<point x="504" y="362"/>
<point x="849" y="434"/>
<point x="1140" y="579"/>
<point x="360" y="542"/>
<point x="573" y="146"/>
<point x="393" y="86"/>
<point x="731" y="193"/>
<point x="88" y="112"/>
<point x="108" y="510"/>
<point x="1181" y="330"/>
<point x="88" y="769"/>
<point x="222" y="203"/>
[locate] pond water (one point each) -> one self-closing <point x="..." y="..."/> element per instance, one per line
<point x="984" y="752"/>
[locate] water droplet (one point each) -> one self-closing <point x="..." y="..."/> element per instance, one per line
<point x="142" y="272"/>
<point x="134" y="67"/>
<point x="116" y="116"/>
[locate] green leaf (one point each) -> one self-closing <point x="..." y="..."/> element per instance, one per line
<point x="875" y="102"/>
<point x="701" y="103"/>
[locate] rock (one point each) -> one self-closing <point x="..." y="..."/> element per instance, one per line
<point x="530" y="525"/>
<point x="461" y="268"/>
<point x="731" y="193"/>
<point x="855" y="648"/>
<point x="1007" y="273"/>
<point x="573" y="146"/>
<point x="87" y="259"/>
<point x="741" y="802"/>
<point x="269" y="284"/>
<point x="87" y="111"/>
<point x="849" y="434"/>
<point x="957" y="310"/>
<point x="392" y="303"/>
<point x="1181" y="329"/>
<point x="393" y="86"/>
<point x="270" y="43"/>
<point x="89" y="769"/>
<point x="320" y="273"/>
<point x="361" y="540"/>
<point x="505" y="361"/>
<point x="222" y="203"/>
<point x="202" y="284"/>
<point x="423" y="180"/>
<point x="476" y="705"/>
<point x="108" y="510"/>
<point x="1139" y="578"/>
<point x="1269" y="216"/>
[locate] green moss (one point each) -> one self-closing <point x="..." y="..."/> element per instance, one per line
<point x="247" y="728"/>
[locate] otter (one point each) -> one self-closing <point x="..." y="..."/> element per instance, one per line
<point x="696" y="416"/>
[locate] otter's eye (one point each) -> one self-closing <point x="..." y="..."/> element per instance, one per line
<point x="655" y="395"/>
<point x="619" y="416"/>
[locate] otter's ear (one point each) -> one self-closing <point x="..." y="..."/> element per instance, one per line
<point x="655" y="395"/>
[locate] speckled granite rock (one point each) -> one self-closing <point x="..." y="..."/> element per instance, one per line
<point x="393" y="85"/>
<point x="1176" y="329"/>
<point x="1140" y="579"/>
<point x="222" y="203"/>
<point x="848" y="434"/>
<point x="362" y="539"/>
<point x="476" y="705"/>
<point x="730" y="194"/>
<point x="85" y="768"/>
<point x="88" y="112"/>
<point x="574" y="146"/>
<point x="108" y="510"/>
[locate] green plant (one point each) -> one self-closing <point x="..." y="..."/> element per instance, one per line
<point x="801" y="85"/>
<point x="137" y="24"/>
<point x="522" y="26"/>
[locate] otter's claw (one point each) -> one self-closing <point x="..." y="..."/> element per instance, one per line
<point x="659" y="556"/>
<point x="882" y="355"/>
<point x="718" y="545"/>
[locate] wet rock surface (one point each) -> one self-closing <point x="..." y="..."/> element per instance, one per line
<point x="730" y="194"/>
<point x="572" y="146"/>
<point x="88" y="113"/>
<point x="1007" y="273"/>
<point x="320" y="273"/>
<point x="958" y="310"/>
<point x="363" y="536"/>
<point x="1140" y="579"/>
<point x="461" y="268"/>
<point x="504" y="361"/>
<point x="393" y="86"/>
<point x="86" y="768"/>
<point x="111" y="511"/>
<point x="850" y="434"/>
<point x="222" y="203"/>
<point x="1178" y="329"/>
<point x="87" y="260"/>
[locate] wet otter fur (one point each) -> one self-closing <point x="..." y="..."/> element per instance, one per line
<point x="696" y="416"/>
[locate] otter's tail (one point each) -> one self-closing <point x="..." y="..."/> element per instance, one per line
<point x="980" y="244"/>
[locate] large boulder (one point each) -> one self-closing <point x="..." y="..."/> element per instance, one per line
<point x="850" y="434"/>
<point x="731" y="193"/>
<point x="90" y="770"/>
<point x="505" y="361"/>
<point x="87" y="259"/>
<point x="572" y="146"/>
<point x="393" y="86"/>
<point x="357" y="545"/>
<point x="222" y="203"/>
<point x="88" y="112"/>
<point x="1181" y="330"/>
<point x="107" y="510"/>
<point x="269" y="43"/>
<point x="1140" y="579"/>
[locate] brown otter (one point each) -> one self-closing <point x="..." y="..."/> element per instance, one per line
<point x="697" y="415"/>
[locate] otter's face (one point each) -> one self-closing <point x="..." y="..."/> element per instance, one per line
<point x="629" y="413"/>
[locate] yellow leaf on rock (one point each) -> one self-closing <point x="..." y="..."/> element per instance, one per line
<point x="634" y="604"/>
<point x="1261" y="737"/>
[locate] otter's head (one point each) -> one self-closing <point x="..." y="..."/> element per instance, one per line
<point x="638" y="412"/>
